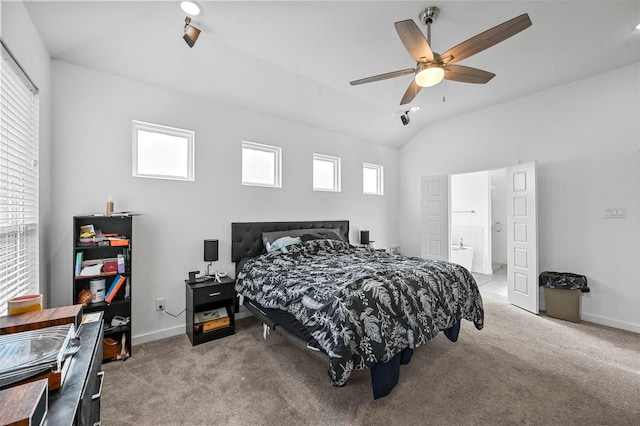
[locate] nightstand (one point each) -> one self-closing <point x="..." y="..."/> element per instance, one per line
<point x="207" y="296"/>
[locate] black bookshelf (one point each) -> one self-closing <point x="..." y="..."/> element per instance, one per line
<point x="107" y="249"/>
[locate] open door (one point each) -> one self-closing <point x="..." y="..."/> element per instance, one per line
<point x="435" y="217"/>
<point x="522" y="237"/>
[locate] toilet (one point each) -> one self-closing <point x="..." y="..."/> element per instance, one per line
<point x="463" y="256"/>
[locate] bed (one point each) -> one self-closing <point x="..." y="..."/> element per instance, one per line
<point x="355" y="308"/>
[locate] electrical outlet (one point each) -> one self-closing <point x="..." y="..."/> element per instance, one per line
<point x="160" y="304"/>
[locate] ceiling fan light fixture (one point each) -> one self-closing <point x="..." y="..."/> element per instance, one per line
<point x="429" y="75"/>
<point x="190" y="8"/>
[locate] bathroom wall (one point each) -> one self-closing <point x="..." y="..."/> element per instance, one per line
<point x="498" y="218"/>
<point x="471" y="216"/>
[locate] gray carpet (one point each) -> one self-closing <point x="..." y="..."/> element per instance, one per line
<point x="521" y="369"/>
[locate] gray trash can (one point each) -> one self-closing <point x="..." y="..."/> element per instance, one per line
<point x="562" y="294"/>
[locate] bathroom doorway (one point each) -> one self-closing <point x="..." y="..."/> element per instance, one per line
<point x="477" y="228"/>
<point x="439" y="240"/>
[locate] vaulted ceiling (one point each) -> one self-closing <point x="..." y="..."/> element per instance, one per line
<point x="294" y="59"/>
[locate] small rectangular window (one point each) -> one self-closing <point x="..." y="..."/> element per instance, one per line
<point x="326" y="173"/>
<point x="372" y="179"/>
<point x="261" y="165"/>
<point x="162" y="152"/>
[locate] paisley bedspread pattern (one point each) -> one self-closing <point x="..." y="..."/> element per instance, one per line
<point x="362" y="306"/>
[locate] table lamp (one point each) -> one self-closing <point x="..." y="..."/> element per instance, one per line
<point x="364" y="238"/>
<point x="210" y="254"/>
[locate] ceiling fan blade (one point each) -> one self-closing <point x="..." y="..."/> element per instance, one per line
<point x="382" y="76"/>
<point x="411" y="93"/>
<point x="414" y="40"/>
<point x="487" y="39"/>
<point x="467" y="74"/>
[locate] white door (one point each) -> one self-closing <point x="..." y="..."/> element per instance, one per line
<point x="435" y="217"/>
<point x="522" y="237"/>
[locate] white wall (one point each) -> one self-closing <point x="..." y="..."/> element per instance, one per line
<point x="585" y="138"/>
<point x="22" y="39"/>
<point x="92" y="160"/>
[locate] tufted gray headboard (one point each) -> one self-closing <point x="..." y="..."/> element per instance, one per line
<point x="246" y="237"/>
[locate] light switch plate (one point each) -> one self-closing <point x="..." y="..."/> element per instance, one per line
<point x="615" y="213"/>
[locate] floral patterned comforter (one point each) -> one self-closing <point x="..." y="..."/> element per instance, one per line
<point x="363" y="306"/>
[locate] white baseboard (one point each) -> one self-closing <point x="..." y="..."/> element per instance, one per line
<point x="176" y="331"/>
<point x="623" y="325"/>
<point x="157" y="335"/>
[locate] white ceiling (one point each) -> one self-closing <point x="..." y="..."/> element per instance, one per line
<point x="294" y="59"/>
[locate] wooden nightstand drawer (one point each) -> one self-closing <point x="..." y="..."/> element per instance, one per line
<point x="213" y="293"/>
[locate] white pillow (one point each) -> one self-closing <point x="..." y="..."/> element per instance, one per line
<point x="281" y="243"/>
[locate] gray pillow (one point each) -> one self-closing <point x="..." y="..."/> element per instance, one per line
<point x="304" y="234"/>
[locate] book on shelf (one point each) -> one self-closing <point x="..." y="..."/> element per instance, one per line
<point x="78" y="263"/>
<point x="117" y="283"/>
<point x="121" y="265"/>
<point x="110" y="265"/>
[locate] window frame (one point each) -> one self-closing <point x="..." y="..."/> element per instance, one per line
<point x="379" y="169"/>
<point x="190" y="135"/>
<point x="277" y="163"/>
<point x="337" y="172"/>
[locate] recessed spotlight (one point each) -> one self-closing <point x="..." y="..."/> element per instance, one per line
<point x="190" y="8"/>
<point x="415" y="108"/>
<point x="638" y="27"/>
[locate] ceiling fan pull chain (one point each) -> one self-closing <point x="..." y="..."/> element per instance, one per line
<point x="444" y="92"/>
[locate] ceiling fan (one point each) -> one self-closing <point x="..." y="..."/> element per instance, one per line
<point x="431" y="67"/>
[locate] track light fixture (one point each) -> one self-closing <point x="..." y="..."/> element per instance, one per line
<point x="191" y="33"/>
<point x="405" y="118"/>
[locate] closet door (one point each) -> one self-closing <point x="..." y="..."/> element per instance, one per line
<point x="435" y="217"/>
<point x="522" y="237"/>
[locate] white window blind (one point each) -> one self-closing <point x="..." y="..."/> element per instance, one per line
<point x="19" y="271"/>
